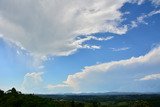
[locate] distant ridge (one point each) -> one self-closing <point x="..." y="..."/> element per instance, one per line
<point x="107" y="93"/>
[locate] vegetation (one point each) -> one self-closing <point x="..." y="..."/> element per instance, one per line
<point x="13" y="98"/>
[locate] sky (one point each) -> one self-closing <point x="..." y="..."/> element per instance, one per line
<point x="80" y="46"/>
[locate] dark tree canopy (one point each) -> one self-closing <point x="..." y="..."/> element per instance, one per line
<point x="14" y="98"/>
<point x="13" y="91"/>
<point x="1" y="92"/>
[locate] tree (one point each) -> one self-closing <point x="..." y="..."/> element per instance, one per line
<point x="13" y="91"/>
<point x="1" y="92"/>
<point x="72" y="104"/>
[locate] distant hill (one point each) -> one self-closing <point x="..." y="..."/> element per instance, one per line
<point x="108" y="93"/>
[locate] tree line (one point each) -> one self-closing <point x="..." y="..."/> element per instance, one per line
<point x="14" y="98"/>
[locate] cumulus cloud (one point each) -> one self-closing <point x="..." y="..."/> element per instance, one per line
<point x="151" y="77"/>
<point x="51" y="27"/>
<point x="117" y="75"/>
<point x="32" y="82"/>
<point x="58" y="28"/>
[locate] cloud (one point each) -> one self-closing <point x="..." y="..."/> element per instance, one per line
<point x="117" y="75"/>
<point x="141" y="19"/>
<point x="139" y="2"/>
<point x="151" y="77"/>
<point x="51" y="27"/>
<point x="79" y="42"/>
<point x="156" y="2"/>
<point x="102" y="39"/>
<point x="120" y="49"/>
<point x="32" y="82"/>
<point x="60" y="88"/>
<point x="90" y="47"/>
<point x="59" y="28"/>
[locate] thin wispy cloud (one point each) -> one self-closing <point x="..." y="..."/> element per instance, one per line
<point x="120" y="49"/>
<point x="141" y="19"/>
<point x="151" y="77"/>
<point x="155" y="2"/>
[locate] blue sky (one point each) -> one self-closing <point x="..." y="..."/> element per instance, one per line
<point x="82" y="46"/>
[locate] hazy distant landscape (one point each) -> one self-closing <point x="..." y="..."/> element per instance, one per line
<point x="110" y="99"/>
<point x="13" y="98"/>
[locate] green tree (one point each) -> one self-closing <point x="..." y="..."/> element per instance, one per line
<point x="1" y="92"/>
<point x="13" y="91"/>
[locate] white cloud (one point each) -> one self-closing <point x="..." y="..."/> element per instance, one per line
<point x="117" y="75"/>
<point x="156" y="2"/>
<point x="57" y="86"/>
<point x="137" y="1"/>
<point x="141" y="19"/>
<point x="102" y="39"/>
<point x="151" y="77"/>
<point x="79" y="42"/>
<point x="120" y="49"/>
<point x="55" y="28"/>
<point x="60" y="88"/>
<point x="51" y="27"/>
<point x="90" y="47"/>
<point x="32" y="82"/>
